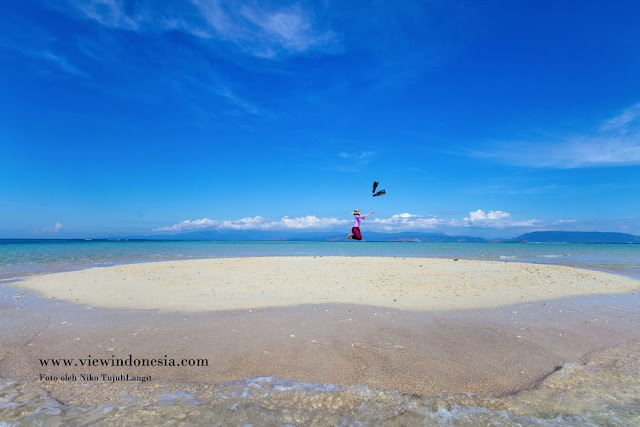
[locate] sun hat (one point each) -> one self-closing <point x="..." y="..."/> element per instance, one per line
<point x="356" y="212"/>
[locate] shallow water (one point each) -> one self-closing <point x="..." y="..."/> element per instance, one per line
<point x="604" y="390"/>
<point x="20" y="258"/>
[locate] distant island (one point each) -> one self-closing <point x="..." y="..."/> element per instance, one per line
<point x="576" y="237"/>
<point x="372" y="236"/>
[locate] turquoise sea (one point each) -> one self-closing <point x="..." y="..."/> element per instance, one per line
<point x="26" y="257"/>
<point x="604" y="389"/>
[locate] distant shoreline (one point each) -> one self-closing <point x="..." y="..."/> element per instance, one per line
<point x="10" y="241"/>
<point x="568" y="237"/>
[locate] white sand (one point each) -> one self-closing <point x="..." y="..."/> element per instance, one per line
<point x="245" y="283"/>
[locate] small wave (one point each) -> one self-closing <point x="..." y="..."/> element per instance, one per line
<point x="508" y="257"/>
<point x="178" y="397"/>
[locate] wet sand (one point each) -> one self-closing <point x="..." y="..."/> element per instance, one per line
<point x="485" y="351"/>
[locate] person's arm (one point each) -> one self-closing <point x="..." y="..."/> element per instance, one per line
<point x="369" y="214"/>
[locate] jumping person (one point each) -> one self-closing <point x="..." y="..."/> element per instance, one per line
<point x="356" y="224"/>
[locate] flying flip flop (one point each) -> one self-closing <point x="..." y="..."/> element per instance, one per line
<point x="379" y="193"/>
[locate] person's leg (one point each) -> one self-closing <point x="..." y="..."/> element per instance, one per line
<point x="356" y="233"/>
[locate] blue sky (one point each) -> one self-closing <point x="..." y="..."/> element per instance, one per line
<point x="479" y="118"/>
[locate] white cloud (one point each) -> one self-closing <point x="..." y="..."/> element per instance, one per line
<point x="616" y="142"/>
<point x="265" y="32"/>
<point x="60" y="62"/>
<point x="564" y="221"/>
<point x="46" y="55"/>
<point x="237" y="101"/>
<point x="496" y="219"/>
<point x="398" y="222"/>
<point x="290" y="30"/>
<point x="406" y="221"/>
<point x="257" y="30"/>
<point x="362" y="155"/>
<point x="58" y="227"/>
<point x="255" y="223"/>
<point x="478" y="218"/>
<point x="623" y="122"/>
<point x="109" y="13"/>
<point x="481" y="217"/>
<point x="395" y="223"/>
<point x="355" y="160"/>
<point x="592" y="152"/>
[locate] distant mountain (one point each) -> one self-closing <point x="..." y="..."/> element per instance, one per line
<point x="576" y="237"/>
<point x="418" y="237"/>
<point x="371" y="236"/>
<point x="320" y="236"/>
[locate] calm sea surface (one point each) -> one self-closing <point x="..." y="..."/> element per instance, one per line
<point x="26" y="257"/>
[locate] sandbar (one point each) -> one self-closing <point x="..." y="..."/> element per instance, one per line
<point x="415" y="325"/>
<point x="415" y="284"/>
